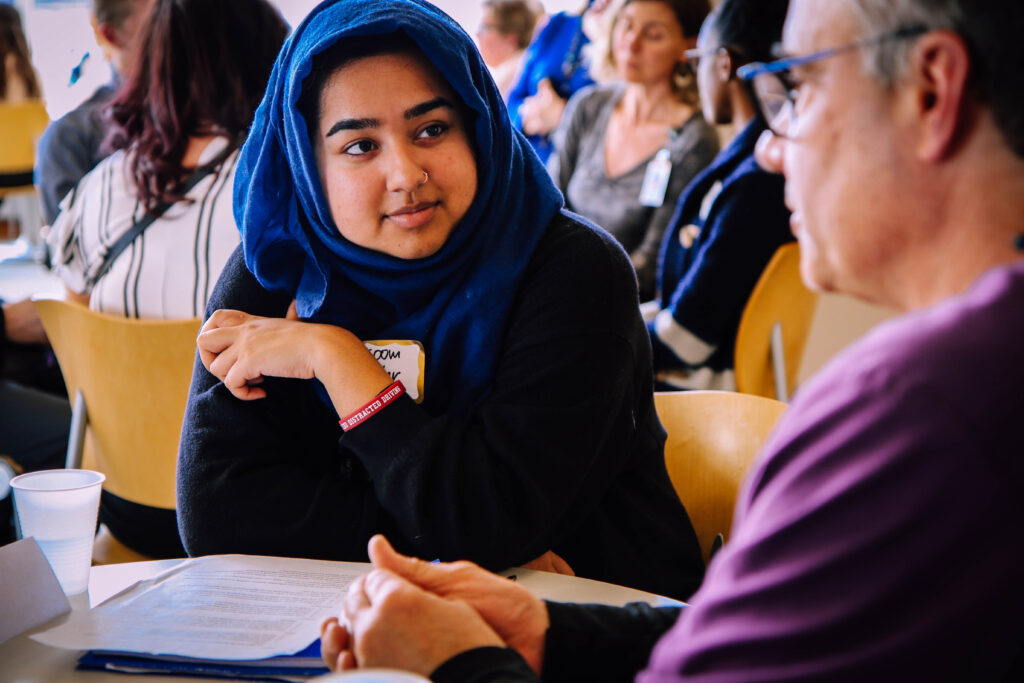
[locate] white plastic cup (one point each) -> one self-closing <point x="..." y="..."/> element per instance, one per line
<point x="58" y="508"/>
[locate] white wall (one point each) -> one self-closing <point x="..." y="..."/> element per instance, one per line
<point x="466" y="12"/>
<point x="60" y="35"/>
<point x="838" y="321"/>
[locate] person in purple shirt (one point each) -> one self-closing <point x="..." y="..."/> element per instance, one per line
<point x="877" y="536"/>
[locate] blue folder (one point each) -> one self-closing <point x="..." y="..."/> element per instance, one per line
<point x="306" y="662"/>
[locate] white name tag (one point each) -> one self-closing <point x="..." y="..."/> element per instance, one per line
<point x="709" y="200"/>
<point x="659" y="169"/>
<point x="403" y="360"/>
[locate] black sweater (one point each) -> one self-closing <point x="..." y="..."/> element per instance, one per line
<point x="565" y="453"/>
<point x="593" y="643"/>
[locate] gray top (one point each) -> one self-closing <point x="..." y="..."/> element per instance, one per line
<point x="614" y="203"/>
<point x="70" y="147"/>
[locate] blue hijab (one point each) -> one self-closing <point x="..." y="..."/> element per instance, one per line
<point x="455" y="302"/>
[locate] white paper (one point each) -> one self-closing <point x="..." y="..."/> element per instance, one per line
<point x="227" y="607"/>
<point x="29" y="593"/>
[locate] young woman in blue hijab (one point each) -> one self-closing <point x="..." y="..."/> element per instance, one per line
<point x="407" y="270"/>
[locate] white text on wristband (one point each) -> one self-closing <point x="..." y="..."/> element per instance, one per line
<point x="385" y="397"/>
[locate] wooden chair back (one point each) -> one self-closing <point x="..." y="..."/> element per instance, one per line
<point x="133" y="376"/>
<point x="22" y="124"/>
<point x="713" y="437"/>
<point x="774" y="327"/>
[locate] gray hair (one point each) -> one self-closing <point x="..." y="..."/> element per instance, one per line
<point x="887" y="61"/>
<point x="115" y="12"/>
<point x="991" y="30"/>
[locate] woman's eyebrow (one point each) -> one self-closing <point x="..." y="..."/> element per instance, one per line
<point x="411" y="113"/>
<point x="429" y="105"/>
<point x="352" y="124"/>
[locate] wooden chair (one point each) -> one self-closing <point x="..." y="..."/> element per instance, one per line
<point x="128" y="380"/>
<point x="774" y="327"/>
<point x="713" y="437"/>
<point x="22" y="124"/>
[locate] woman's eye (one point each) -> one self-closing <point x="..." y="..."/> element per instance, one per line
<point x="434" y="130"/>
<point x="359" y="148"/>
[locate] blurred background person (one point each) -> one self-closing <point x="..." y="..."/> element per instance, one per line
<point x="625" y="150"/>
<point x="554" y="68"/>
<point x="33" y="423"/>
<point x="72" y="145"/>
<point x="18" y="78"/>
<point x="177" y="122"/>
<point x="504" y="33"/>
<point x="19" y="83"/>
<point x="731" y="218"/>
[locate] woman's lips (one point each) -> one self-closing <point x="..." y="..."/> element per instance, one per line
<point x="413" y="215"/>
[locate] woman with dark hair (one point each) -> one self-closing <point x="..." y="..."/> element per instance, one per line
<point x="179" y="116"/>
<point x="731" y="219"/>
<point x="625" y="150"/>
<point x="18" y="78"/>
<point x="146" y="233"/>
<point x="407" y="270"/>
<point x="19" y="84"/>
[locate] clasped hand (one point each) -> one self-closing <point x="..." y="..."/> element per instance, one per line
<point x="541" y="113"/>
<point x="241" y="349"/>
<point x="414" y="615"/>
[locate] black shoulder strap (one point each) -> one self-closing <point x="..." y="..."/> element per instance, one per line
<point x="140" y="225"/>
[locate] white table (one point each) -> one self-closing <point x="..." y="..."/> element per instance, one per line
<point x="23" y="660"/>
<point x="22" y="279"/>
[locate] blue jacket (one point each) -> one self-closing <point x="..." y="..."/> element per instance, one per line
<point x="735" y="214"/>
<point x="555" y="54"/>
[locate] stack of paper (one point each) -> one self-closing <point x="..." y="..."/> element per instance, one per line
<point x="216" y="615"/>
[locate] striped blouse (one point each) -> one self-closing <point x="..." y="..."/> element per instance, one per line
<point x="169" y="270"/>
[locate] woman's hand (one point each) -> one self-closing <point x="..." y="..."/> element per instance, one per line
<point x="241" y="349"/>
<point x="541" y="113"/>
<point x="23" y="325"/>
<point x="550" y="562"/>
<point x="516" y="615"/>
<point x="393" y="623"/>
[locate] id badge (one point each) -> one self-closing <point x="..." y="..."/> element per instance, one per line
<point x="402" y="359"/>
<point x="652" y="192"/>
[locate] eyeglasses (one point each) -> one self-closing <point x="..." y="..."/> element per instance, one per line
<point x="696" y="54"/>
<point x="773" y="87"/>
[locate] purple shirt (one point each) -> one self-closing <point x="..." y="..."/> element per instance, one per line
<point x="878" y="536"/>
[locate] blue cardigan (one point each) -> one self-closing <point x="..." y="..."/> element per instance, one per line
<point x="555" y="54"/>
<point x="738" y="209"/>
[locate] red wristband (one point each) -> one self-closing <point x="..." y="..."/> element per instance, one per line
<point x="394" y="390"/>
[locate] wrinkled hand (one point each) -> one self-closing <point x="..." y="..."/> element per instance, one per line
<point x="336" y="645"/>
<point x="550" y="562"/>
<point x="541" y="113"/>
<point x="516" y="615"/>
<point x="22" y="323"/>
<point x="393" y="623"/>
